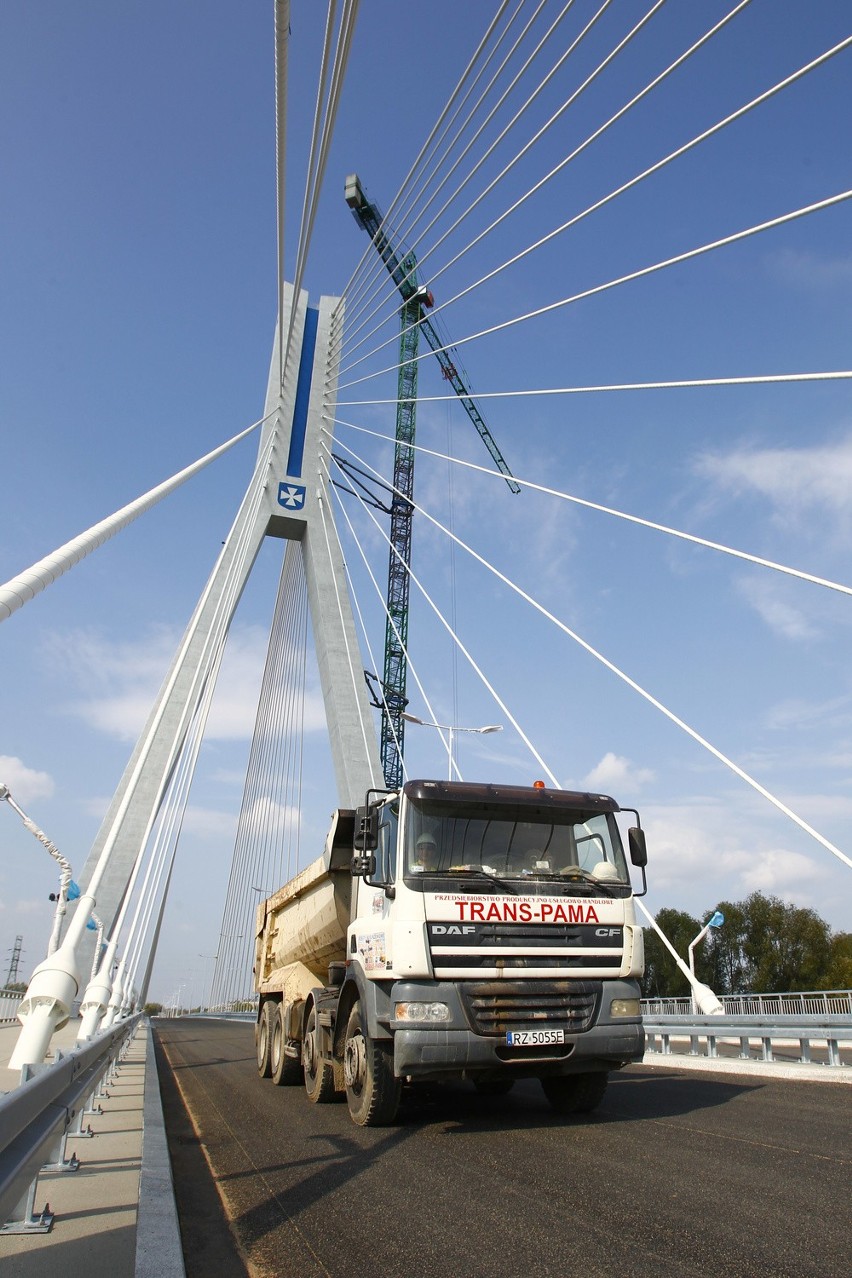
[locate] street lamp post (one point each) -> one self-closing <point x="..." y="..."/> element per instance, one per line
<point x="452" y="729"/>
<point x="715" y="920"/>
<point x="211" y="958"/>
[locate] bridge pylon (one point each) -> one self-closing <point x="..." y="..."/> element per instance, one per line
<point x="287" y="497"/>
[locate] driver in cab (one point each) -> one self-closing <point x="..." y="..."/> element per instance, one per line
<point x="425" y="854"/>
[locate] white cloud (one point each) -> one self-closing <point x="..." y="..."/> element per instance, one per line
<point x="779" y="872"/>
<point x="780" y="615"/>
<point x="119" y="681"/>
<point x="808" y="270"/>
<point x="797" y="481"/>
<point x="209" y="823"/>
<point x="701" y="851"/>
<point x="23" y="783"/>
<point x="618" y="775"/>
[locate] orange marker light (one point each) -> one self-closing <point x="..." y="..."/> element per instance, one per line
<point x="538" y="785"/>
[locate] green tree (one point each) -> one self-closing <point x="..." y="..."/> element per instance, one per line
<point x="765" y="946"/>
<point x="663" y="978"/>
<point x="839" y="973"/>
<point x="728" y="965"/>
<point x="152" y="1009"/>
<point x="787" y="948"/>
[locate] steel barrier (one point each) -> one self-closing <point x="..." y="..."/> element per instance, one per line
<point x="804" y="1030"/>
<point x="806" y="1003"/>
<point x="9" y="1004"/>
<point x="36" y="1118"/>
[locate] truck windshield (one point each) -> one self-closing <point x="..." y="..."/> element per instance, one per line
<point x="523" y="843"/>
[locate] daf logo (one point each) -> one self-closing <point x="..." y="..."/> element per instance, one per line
<point x="451" y="929"/>
<point x="607" y="931"/>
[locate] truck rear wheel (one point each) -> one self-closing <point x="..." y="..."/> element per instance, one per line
<point x="319" y="1075"/>
<point x="262" y="1039"/>
<point x="575" y="1093"/>
<point x="286" y="1070"/>
<point x="372" y="1092"/>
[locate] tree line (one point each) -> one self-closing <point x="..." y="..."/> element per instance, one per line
<point x="765" y="946"/>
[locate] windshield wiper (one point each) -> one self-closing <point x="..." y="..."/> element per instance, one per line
<point x="483" y="874"/>
<point x="576" y="877"/>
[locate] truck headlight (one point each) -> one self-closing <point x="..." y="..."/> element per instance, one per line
<point x="421" y="1012"/>
<point x="624" y="1007"/>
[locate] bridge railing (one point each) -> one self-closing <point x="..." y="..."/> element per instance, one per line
<point x="767" y="1033"/>
<point x="10" y="1001"/>
<point x="807" y="1003"/>
<point x="36" y="1118"/>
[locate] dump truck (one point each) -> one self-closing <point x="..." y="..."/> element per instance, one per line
<point x="455" y="931"/>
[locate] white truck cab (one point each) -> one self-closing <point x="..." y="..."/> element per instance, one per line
<point x="491" y="935"/>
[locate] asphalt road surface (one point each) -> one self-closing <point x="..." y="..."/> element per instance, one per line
<point x="676" y="1174"/>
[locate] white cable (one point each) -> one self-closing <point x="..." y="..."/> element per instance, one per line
<point x="282" y="41"/>
<point x="455" y="638"/>
<point x="631" y="683"/>
<point x="19" y="590"/>
<point x="726" y="240"/>
<point x="434" y="275"/>
<point x="759" y="380"/>
<point x="423" y="205"/>
<point x="493" y="146"/>
<point x="383" y="599"/>
<point x="618" y="514"/>
<point x="420" y="158"/>
<point x="366" y="729"/>
<point x="344" y="44"/>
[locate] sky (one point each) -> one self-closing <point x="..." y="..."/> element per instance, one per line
<point x="138" y="264"/>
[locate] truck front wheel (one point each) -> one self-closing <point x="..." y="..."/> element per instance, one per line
<point x="575" y="1093"/>
<point x="372" y="1092"/>
<point x="262" y="1039"/>
<point x="319" y="1075"/>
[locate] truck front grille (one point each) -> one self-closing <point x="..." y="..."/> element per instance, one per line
<point x="493" y="1007"/>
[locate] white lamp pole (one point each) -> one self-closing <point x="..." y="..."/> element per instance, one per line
<point x="716" y="920"/>
<point x="451" y="728"/>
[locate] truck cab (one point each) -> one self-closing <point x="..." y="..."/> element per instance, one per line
<point x="491" y="937"/>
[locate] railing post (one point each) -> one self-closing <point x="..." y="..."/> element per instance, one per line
<point x="24" y="1220"/>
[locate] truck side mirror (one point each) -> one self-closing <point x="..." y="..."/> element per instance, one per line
<point x="366" y="830"/>
<point x="638" y="850"/>
<point x="364" y="867"/>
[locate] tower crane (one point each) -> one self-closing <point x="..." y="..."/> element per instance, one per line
<point x="415" y="299"/>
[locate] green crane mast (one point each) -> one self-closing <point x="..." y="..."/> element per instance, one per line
<point x="413" y="321"/>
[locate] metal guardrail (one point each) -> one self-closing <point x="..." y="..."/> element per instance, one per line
<point x="806" y="1003"/>
<point x="763" y="1030"/>
<point x="36" y="1119"/>
<point x="9" y="1004"/>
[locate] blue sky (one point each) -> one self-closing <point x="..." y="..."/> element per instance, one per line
<point x="137" y="260"/>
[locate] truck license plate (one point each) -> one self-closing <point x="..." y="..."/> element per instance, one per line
<point x="534" y="1038"/>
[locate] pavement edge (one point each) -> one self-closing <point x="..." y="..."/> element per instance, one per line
<point x="159" y="1252"/>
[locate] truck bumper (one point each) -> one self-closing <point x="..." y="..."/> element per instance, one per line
<point x="456" y="1051"/>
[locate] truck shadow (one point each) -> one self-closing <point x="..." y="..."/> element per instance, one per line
<point x="632" y="1096"/>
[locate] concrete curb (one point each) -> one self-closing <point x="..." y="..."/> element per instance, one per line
<point x="159" y="1253"/>
<point x="765" y="1069"/>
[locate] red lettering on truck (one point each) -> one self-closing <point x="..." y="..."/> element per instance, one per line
<point x="523" y="912"/>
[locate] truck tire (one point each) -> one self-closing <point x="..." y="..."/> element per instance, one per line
<point x="575" y="1093"/>
<point x="319" y="1075"/>
<point x="372" y="1092"/>
<point x="286" y="1070"/>
<point x="263" y="1038"/>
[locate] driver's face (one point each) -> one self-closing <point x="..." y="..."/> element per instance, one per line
<point x="426" y="854"/>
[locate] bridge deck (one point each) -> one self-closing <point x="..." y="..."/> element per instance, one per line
<point x="680" y="1172"/>
<point x="682" y="1168"/>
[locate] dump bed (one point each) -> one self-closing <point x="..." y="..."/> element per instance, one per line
<point x="305" y="921"/>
